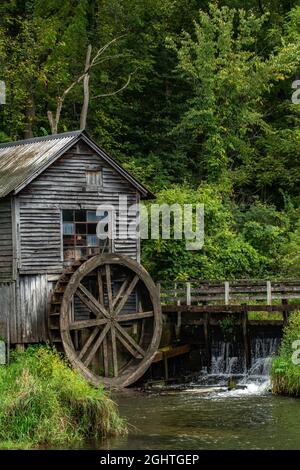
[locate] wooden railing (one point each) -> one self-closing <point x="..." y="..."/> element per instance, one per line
<point x="255" y="294"/>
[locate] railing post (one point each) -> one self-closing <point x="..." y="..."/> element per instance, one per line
<point x="159" y="290"/>
<point x="269" y="293"/>
<point x="188" y="293"/>
<point x="226" y="286"/>
<point x="285" y="313"/>
<point x="178" y="325"/>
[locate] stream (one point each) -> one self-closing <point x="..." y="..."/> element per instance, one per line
<point x="206" y="415"/>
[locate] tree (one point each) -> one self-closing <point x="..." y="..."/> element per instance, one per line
<point x="226" y="129"/>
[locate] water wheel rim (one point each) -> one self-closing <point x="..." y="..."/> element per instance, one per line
<point x="130" y="376"/>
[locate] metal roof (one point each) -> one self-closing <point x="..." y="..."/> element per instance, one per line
<point x="22" y="161"/>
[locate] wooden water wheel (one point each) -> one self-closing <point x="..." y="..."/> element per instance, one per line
<point x="108" y="318"/>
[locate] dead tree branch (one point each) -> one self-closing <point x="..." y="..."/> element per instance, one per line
<point x="114" y="92"/>
<point x="85" y="77"/>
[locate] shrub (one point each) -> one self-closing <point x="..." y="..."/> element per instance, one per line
<point x="285" y="374"/>
<point x="45" y="403"/>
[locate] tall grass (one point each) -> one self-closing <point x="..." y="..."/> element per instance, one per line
<point x="285" y="374"/>
<point x="43" y="402"/>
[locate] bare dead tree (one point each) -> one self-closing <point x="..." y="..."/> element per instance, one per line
<point x="85" y="78"/>
<point x="86" y="88"/>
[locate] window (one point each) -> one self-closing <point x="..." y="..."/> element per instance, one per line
<point x="94" y="177"/>
<point x="80" y="234"/>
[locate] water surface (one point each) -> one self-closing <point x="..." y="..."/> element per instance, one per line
<point x="193" y="420"/>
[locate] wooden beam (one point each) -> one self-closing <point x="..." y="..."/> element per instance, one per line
<point x="171" y="308"/>
<point x="171" y="352"/>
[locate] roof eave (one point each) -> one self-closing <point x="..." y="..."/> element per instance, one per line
<point x="46" y="165"/>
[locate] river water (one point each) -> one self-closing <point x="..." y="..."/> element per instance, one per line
<point x="196" y="419"/>
<point x="206" y="415"/>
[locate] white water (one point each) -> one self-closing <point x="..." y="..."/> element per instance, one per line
<point x="228" y="361"/>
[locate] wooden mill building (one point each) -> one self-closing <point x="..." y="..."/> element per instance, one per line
<point x="50" y="188"/>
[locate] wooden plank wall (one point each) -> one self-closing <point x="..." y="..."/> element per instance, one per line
<point x="32" y="312"/>
<point x="8" y="311"/>
<point x="6" y="245"/>
<point x="24" y="304"/>
<point x="63" y="186"/>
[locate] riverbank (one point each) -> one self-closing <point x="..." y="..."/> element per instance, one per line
<point x="44" y="403"/>
<point x="285" y="372"/>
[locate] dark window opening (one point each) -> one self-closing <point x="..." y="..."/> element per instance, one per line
<point x="80" y="234"/>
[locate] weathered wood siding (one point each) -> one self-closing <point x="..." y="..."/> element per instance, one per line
<point x="8" y="312"/>
<point x="32" y="312"/>
<point x="63" y="186"/>
<point x="24" y="305"/>
<point x="6" y="245"/>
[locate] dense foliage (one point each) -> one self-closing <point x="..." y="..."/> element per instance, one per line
<point x="44" y="402"/>
<point x="206" y="118"/>
<point x="286" y="367"/>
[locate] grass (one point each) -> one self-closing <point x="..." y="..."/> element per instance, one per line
<point x="264" y="316"/>
<point x="44" y="403"/>
<point x="285" y="372"/>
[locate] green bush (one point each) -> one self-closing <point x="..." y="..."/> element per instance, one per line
<point x="285" y="374"/>
<point x="226" y="253"/>
<point x="45" y="403"/>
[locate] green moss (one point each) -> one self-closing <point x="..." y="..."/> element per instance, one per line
<point x="285" y="373"/>
<point x="45" y="403"/>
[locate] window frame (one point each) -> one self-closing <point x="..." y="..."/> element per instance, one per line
<point x="74" y="245"/>
<point x="94" y="169"/>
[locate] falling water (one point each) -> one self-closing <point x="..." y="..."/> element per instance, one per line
<point x="228" y="360"/>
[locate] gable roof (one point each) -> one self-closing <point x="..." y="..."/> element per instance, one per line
<point x="24" y="160"/>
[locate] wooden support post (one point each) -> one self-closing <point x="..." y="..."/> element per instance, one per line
<point x="285" y="313"/>
<point x="166" y="367"/>
<point x="207" y="339"/>
<point x="247" y="347"/>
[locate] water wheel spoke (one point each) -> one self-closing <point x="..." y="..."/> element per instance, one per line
<point x="129" y="339"/>
<point x="96" y="345"/>
<point x="135" y="316"/>
<point x="109" y="337"/>
<point x="89" y="300"/>
<point x="114" y="351"/>
<point x="109" y="287"/>
<point x="132" y="351"/>
<point x="104" y="344"/>
<point x="120" y="292"/>
<point x="80" y="325"/>
<point x="127" y="294"/>
<point x="105" y="357"/>
<point x="100" y="288"/>
<point x="88" y="343"/>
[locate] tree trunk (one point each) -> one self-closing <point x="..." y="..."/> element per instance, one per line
<point x="30" y="115"/>
<point x="86" y="89"/>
